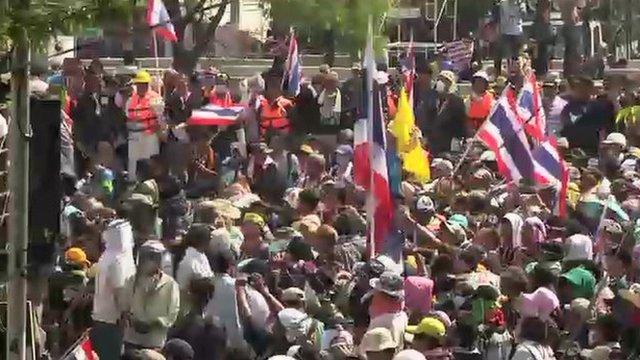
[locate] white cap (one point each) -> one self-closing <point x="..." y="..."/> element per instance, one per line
<point x="616" y="139"/>
<point x="481" y="74"/>
<point x="488" y="155"/>
<point x="409" y="355"/>
<point x="578" y="247"/>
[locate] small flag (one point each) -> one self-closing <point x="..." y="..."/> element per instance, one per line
<point x="211" y="114"/>
<point x="159" y="20"/>
<point x="293" y="72"/>
<point x="458" y="53"/>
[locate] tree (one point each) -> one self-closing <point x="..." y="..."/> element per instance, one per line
<point x="324" y="21"/>
<point x="204" y="18"/>
<point x="40" y="20"/>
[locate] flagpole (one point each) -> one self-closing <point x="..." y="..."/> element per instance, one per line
<point x="371" y="197"/>
<point x="155" y="49"/>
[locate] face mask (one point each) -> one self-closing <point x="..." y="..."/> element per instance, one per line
<point x="591" y="338"/>
<point x="441" y="87"/>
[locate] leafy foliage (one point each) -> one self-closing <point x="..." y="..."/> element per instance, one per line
<point x="312" y="19"/>
<point x="43" y="19"/>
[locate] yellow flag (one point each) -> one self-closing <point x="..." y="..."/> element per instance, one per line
<point x="402" y="125"/>
<point x="416" y="162"/>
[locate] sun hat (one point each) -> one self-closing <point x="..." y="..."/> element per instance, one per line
<point x="409" y="355"/>
<point x="632" y="294"/>
<point x="539" y="304"/>
<point x="598" y="353"/>
<point x="389" y="283"/>
<point x="429" y="326"/>
<point x="377" y="339"/>
<point x="580" y="306"/>
<point x="457" y="230"/>
<point x="254" y="218"/>
<point x="293" y="294"/>
<point x="578" y="247"/>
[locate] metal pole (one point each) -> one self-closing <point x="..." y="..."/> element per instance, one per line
<point x="19" y="197"/>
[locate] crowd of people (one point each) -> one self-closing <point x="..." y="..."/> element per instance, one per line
<point x="249" y="241"/>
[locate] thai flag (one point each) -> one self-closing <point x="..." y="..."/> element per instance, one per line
<point x="504" y="135"/>
<point x="211" y="114"/>
<point x="380" y="201"/>
<point x="361" y="148"/>
<point x="531" y="110"/>
<point x="293" y="72"/>
<point x="159" y="20"/>
<point x="550" y="168"/>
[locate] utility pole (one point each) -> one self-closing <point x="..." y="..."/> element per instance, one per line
<point x="19" y="134"/>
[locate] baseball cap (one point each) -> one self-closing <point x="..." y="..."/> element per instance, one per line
<point x="377" y="339"/>
<point x="429" y="326"/>
<point x="459" y="219"/>
<point x="344" y="150"/>
<point x="307" y="149"/>
<point x="482" y="75"/>
<point x="616" y="139"/>
<point x="581" y="280"/>
<point x="424" y="204"/>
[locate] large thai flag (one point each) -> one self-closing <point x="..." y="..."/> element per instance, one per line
<point x="361" y="146"/>
<point x="159" y="20"/>
<point x="212" y="114"/>
<point x="380" y="201"/>
<point x="503" y="133"/>
<point x="531" y="110"/>
<point x="292" y="71"/>
<point x="550" y="168"/>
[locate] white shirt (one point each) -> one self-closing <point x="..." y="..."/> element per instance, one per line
<point x="111" y="277"/>
<point x="194" y="265"/>
<point x="223" y="309"/>
<point x="511" y="17"/>
<point x="116" y="271"/>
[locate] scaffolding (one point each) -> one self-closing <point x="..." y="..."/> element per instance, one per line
<point x="441" y="17"/>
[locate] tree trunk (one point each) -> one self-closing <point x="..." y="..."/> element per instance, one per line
<point x="186" y="60"/>
<point x="330" y="46"/>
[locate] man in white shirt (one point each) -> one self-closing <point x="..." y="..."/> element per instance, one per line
<point x="116" y="271"/>
<point x="510" y="15"/>
<point x="194" y="265"/>
<point x="222" y="309"/>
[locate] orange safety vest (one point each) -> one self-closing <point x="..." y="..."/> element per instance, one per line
<point x="274" y="115"/>
<point x="224" y="101"/>
<point x="140" y="112"/>
<point x="479" y="109"/>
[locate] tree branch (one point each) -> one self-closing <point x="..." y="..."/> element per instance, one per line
<point x="211" y="28"/>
